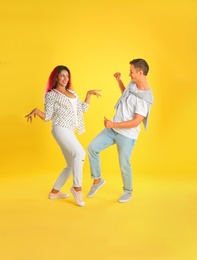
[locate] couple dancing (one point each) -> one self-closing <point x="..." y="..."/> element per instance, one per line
<point x="63" y="107"/>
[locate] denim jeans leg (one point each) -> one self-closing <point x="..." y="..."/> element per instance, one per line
<point x="98" y="144"/>
<point x="125" y="146"/>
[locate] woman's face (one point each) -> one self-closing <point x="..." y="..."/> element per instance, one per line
<point x="63" y="78"/>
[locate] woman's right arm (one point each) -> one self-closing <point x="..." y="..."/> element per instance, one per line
<point x="48" y="110"/>
<point x="35" y="112"/>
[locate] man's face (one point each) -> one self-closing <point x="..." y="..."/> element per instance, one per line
<point x="134" y="73"/>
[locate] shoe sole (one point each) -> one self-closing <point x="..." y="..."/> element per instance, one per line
<point x="53" y="198"/>
<point x="80" y="204"/>
<point x="122" y="201"/>
<point x="89" y="196"/>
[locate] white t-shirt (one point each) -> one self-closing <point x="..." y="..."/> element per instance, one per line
<point x="126" y="111"/>
<point x="74" y="104"/>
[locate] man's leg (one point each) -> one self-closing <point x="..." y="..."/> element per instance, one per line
<point x="125" y="146"/>
<point x="98" y="144"/>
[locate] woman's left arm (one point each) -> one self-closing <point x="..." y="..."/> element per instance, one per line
<point x="89" y="93"/>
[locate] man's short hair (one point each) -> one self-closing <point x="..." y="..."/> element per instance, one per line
<point x="141" y="65"/>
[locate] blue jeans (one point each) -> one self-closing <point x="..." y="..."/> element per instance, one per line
<point x="125" y="146"/>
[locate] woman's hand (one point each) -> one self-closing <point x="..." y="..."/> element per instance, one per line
<point x="92" y="92"/>
<point x="34" y="113"/>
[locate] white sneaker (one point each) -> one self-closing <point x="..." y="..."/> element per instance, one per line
<point x="77" y="196"/>
<point x="126" y="196"/>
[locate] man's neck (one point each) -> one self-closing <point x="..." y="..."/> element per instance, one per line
<point x="142" y="84"/>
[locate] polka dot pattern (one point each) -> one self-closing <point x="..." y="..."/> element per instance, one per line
<point x="60" y="111"/>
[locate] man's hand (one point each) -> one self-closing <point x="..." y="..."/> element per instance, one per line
<point x="117" y="75"/>
<point x="108" y="123"/>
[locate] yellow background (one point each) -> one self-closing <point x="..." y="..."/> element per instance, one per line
<point x="95" y="39"/>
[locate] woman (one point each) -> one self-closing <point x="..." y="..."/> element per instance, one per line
<point x="65" y="110"/>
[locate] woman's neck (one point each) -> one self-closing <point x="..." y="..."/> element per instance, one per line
<point x="61" y="89"/>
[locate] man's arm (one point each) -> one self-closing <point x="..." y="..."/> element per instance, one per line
<point x="125" y="124"/>
<point x="117" y="75"/>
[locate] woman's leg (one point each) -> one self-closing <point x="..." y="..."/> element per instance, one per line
<point x="74" y="155"/>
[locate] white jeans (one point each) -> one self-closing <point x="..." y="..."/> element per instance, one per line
<point x="74" y="155"/>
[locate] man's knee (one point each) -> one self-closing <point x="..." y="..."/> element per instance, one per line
<point x="90" y="148"/>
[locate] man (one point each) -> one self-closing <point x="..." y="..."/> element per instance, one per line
<point x="132" y="108"/>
